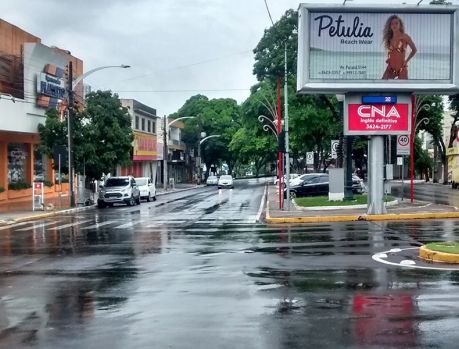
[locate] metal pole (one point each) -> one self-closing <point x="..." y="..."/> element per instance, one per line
<point x="413" y="133"/>
<point x="165" y="154"/>
<point x="376" y="180"/>
<point x="347" y="158"/>
<point x="70" y="135"/>
<point x="60" y="179"/>
<point x="287" y="155"/>
<point x="403" y="174"/>
<point x="279" y="154"/>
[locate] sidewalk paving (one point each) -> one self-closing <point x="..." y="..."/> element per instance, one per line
<point x="20" y="211"/>
<point x="403" y="210"/>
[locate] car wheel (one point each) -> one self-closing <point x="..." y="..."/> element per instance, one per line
<point x="110" y="205"/>
<point x="100" y="204"/>
<point x="293" y="194"/>
<point x="131" y="201"/>
<point x="138" y="200"/>
<point x="148" y="197"/>
<point x="154" y="198"/>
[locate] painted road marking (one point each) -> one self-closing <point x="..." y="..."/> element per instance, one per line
<point x="98" y="225"/>
<point x="71" y="224"/>
<point x="38" y="226"/>
<point x="406" y="263"/>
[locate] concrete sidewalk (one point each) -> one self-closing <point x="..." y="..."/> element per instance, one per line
<point x="403" y="210"/>
<point x="22" y="210"/>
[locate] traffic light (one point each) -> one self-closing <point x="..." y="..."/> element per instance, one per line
<point x="281" y="141"/>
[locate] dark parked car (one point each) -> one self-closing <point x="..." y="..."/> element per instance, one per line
<point x="318" y="184"/>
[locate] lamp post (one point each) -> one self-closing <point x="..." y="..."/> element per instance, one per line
<point x="165" y="150"/>
<point x="203" y="134"/>
<point x="417" y="105"/>
<point x="70" y="89"/>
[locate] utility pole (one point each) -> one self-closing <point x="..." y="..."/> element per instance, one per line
<point x="70" y="134"/>
<point x="165" y="155"/>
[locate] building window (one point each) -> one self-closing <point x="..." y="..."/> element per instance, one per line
<point x="137" y="123"/>
<point x="149" y="126"/>
<point x="143" y="124"/>
<point x="17" y="155"/>
<point x="154" y="127"/>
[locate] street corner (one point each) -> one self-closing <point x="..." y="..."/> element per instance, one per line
<point x="410" y="257"/>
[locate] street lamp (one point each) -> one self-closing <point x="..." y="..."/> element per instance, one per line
<point x="417" y="105"/>
<point x="165" y="150"/>
<point x="203" y="134"/>
<point x="70" y="89"/>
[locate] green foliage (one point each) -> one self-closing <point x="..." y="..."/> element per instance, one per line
<point x="48" y="183"/>
<point x="52" y="133"/>
<point x="269" y="53"/>
<point x="214" y="117"/>
<point x="19" y="186"/>
<point x="2" y="189"/>
<point x="422" y="161"/>
<point x="106" y="137"/>
<point x="102" y="134"/>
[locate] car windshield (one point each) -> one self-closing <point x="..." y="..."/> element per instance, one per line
<point x="117" y="182"/>
<point x="141" y="181"/>
<point x="226" y="177"/>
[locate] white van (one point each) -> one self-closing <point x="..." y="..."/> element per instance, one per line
<point x="147" y="188"/>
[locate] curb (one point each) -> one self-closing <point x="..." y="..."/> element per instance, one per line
<point x="365" y="217"/>
<point x="435" y="256"/>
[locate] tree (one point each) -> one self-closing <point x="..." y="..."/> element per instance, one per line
<point x="214" y="117"/>
<point x="52" y="135"/>
<point x="433" y="112"/>
<point x="102" y="135"/>
<point x="314" y="119"/>
<point x="106" y="136"/>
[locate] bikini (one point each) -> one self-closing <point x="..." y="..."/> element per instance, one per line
<point x="395" y="55"/>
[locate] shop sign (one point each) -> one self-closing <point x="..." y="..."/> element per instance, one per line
<point x="375" y="119"/>
<point x="145" y="147"/>
<point x="51" y="86"/>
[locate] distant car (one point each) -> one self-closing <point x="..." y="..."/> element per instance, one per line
<point x="147" y="188"/>
<point x="318" y="184"/>
<point x="119" y="190"/>
<point x="212" y="180"/>
<point x="358" y="186"/>
<point x="284" y="177"/>
<point x="225" y="181"/>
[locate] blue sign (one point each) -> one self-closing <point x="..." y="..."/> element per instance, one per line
<point x="379" y="99"/>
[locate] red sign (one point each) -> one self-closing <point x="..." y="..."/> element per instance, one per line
<point x="374" y="119"/>
<point x="38" y="185"/>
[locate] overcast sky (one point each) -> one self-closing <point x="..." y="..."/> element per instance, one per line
<point x="176" y="48"/>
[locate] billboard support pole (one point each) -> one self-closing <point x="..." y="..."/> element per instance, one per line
<point x="376" y="178"/>
<point x="413" y="132"/>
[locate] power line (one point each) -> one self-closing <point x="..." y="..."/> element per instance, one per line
<point x="269" y="13"/>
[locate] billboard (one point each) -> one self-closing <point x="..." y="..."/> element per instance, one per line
<point x="377" y="119"/>
<point x="402" y="48"/>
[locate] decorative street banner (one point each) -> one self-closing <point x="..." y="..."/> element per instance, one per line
<point x="402" y="46"/>
<point x="377" y="119"/>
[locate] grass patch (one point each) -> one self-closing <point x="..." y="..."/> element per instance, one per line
<point x="310" y="201"/>
<point x="447" y="247"/>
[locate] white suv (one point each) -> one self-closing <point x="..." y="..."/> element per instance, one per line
<point x="119" y="190"/>
<point x="147" y="188"/>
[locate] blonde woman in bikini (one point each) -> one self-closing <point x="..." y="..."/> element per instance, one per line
<point x="396" y="42"/>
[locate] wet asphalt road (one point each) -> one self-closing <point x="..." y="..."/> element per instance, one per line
<point x="193" y="270"/>
<point x="430" y="192"/>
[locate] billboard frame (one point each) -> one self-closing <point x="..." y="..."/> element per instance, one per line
<point x="306" y="85"/>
